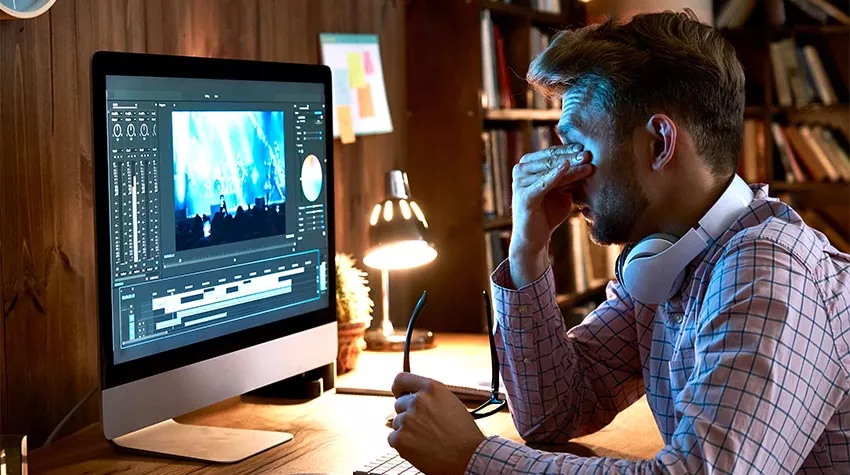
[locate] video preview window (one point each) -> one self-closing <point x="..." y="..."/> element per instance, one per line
<point x="229" y="176"/>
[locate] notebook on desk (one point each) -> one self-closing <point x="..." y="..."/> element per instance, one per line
<point x="461" y="362"/>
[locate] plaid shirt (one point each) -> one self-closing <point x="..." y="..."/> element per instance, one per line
<point x="745" y="369"/>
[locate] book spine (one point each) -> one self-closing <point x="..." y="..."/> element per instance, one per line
<point x="487" y="195"/>
<point x="505" y="96"/>
<point x="775" y="12"/>
<point x="820" y="154"/>
<point x="822" y="83"/>
<point x="780" y="78"/>
<point x="781" y="146"/>
<point x="823" y="137"/>
<point x="795" y="75"/>
<point x="805" y="153"/>
<point x="810" y="9"/>
<point x="831" y="10"/>
<point x="489" y="100"/>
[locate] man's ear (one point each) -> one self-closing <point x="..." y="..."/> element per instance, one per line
<point x="662" y="131"/>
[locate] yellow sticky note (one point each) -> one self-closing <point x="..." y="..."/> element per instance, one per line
<point x="346" y="128"/>
<point x="356" y="74"/>
<point x="364" y="101"/>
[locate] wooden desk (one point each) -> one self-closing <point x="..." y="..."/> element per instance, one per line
<point x="335" y="433"/>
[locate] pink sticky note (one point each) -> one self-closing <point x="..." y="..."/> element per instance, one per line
<point x="367" y="63"/>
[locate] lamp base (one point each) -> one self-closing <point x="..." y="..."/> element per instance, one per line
<point x="376" y="341"/>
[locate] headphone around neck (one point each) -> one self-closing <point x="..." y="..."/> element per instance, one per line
<point x="652" y="270"/>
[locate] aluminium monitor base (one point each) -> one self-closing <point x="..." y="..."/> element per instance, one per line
<point x="208" y="444"/>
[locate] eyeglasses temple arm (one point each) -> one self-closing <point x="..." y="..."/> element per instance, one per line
<point x="494" y="355"/>
<point x="409" y="335"/>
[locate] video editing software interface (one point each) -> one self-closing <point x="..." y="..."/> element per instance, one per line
<point x="217" y="207"/>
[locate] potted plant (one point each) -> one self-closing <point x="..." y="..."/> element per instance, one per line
<point x="354" y="312"/>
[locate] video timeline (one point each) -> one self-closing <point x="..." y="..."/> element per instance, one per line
<point x="229" y="176"/>
<point x="183" y="304"/>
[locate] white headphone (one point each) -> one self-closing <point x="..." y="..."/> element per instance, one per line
<point x="652" y="270"/>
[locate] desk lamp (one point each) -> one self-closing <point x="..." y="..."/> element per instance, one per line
<point x="398" y="240"/>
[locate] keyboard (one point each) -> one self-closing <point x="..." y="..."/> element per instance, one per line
<point x="389" y="464"/>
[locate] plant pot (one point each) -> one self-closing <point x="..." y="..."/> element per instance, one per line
<point x="350" y="343"/>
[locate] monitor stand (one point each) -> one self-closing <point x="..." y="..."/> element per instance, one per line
<point x="205" y="443"/>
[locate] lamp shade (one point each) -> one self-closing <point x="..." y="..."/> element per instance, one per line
<point x="398" y="230"/>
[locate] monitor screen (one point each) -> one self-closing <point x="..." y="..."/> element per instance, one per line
<point x="218" y="208"/>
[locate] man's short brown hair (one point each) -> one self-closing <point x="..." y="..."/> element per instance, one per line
<point x="657" y="63"/>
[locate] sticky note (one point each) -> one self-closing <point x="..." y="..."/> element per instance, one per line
<point x="364" y="101"/>
<point x="346" y="128"/>
<point x="367" y="63"/>
<point x="356" y="75"/>
<point x="342" y="90"/>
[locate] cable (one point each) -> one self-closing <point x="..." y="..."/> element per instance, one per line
<point x="68" y="416"/>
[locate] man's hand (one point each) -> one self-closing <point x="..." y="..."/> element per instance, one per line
<point x="433" y="430"/>
<point x="541" y="202"/>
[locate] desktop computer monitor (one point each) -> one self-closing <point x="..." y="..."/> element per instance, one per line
<point x="214" y="221"/>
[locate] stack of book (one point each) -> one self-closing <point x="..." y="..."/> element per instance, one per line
<point x="799" y="75"/>
<point x="734" y="13"/>
<point x="811" y="152"/>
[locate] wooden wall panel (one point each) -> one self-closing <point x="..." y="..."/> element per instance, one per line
<point x="48" y="350"/>
<point x="445" y="157"/>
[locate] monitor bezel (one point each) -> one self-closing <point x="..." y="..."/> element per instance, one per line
<point x="137" y="64"/>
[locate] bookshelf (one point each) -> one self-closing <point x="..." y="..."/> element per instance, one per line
<point x="445" y="126"/>
<point x="828" y="197"/>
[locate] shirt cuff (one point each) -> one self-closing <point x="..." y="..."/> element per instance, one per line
<point x="495" y="455"/>
<point x="516" y="308"/>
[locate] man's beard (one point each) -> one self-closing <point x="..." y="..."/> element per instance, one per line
<point x="619" y="202"/>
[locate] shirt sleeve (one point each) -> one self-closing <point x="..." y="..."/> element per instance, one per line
<point x="563" y="384"/>
<point x="764" y="384"/>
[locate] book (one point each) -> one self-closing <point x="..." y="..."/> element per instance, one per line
<point x="840" y="153"/>
<point x="735" y="13"/>
<point x="780" y="77"/>
<point x="775" y="10"/>
<point x="749" y="153"/>
<point x="577" y="250"/>
<point x="796" y="76"/>
<point x="488" y="189"/>
<point x="831" y="10"/>
<point x="821" y="81"/>
<point x="807" y="157"/>
<point x="819" y="153"/>
<point x="464" y="368"/>
<point x="830" y="147"/>
<point x="809" y="8"/>
<point x="793" y="171"/>
<point x="489" y="95"/>
<point x="506" y="99"/>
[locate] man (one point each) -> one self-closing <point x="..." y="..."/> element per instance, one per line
<point x="745" y="367"/>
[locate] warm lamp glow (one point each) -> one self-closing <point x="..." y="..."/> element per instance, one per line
<point x="418" y="212"/>
<point x="405" y="209"/>
<point x="388" y="210"/>
<point x="376" y="213"/>
<point x="400" y="255"/>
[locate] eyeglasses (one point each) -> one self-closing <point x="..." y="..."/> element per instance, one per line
<point x="494" y="404"/>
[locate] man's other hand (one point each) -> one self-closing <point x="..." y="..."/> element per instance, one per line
<point x="433" y="430"/>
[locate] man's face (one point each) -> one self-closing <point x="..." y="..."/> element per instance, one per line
<point x="612" y="199"/>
